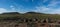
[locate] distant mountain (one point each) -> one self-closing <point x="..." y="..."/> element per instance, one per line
<point x="20" y="13"/>
<point x="11" y="13"/>
<point x="33" y="13"/>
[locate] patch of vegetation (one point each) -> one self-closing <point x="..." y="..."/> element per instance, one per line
<point x="16" y="15"/>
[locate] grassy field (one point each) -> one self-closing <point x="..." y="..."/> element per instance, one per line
<point x="30" y="15"/>
<point x="10" y="20"/>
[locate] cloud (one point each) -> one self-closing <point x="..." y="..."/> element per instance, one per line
<point x="51" y="8"/>
<point x="2" y="10"/>
<point x="56" y="11"/>
<point x="45" y="1"/>
<point x="32" y="0"/>
<point x="26" y="0"/>
<point x="43" y="9"/>
<point x="54" y="3"/>
<point x="13" y="8"/>
<point x="17" y="8"/>
<point x="47" y="10"/>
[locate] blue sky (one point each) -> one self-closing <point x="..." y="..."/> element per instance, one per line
<point x="22" y="6"/>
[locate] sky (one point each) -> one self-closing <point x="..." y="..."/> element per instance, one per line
<point x="22" y="6"/>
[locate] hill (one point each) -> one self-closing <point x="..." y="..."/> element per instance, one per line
<point x="29" y="15"/>
<point x="41" y="15"/>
